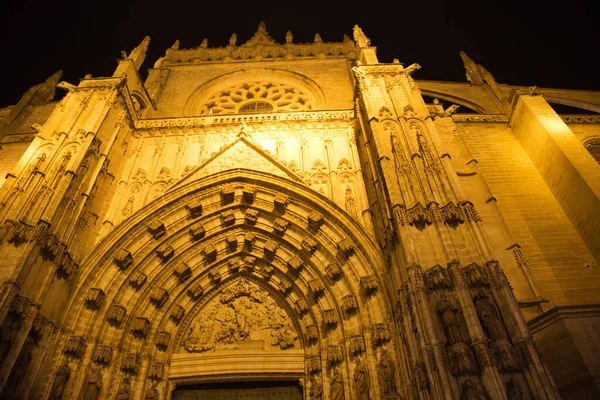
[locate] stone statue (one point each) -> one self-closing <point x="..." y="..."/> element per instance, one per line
<point x="152" y="392"/>
<point x="233" y="40"/>
<point x="450" y="321"/>
<point x="489" y="316"/>
<point x="361" y="381"/>
<point x="336" y="386"/>
<point x="412" y="68"/>
<point x="470" y="392"/>
<point x="124" y="392"/>
<point x="60" y="382"/>
<point x="360" y="38"/>
<point x="316" y="389"/>
<point x="93" y="385"/>
<point x="204" y="43"/>
<point x="514" y="391"/>
<point x="387" y="376"/>
<point x="289" y="37"/>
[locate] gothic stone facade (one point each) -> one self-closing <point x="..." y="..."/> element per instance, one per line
<point x="301" y="212"/>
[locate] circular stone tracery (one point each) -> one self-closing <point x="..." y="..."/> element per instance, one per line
<point x="282" y="97"/>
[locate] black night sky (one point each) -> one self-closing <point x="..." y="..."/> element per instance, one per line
<point x="554" y="45"/>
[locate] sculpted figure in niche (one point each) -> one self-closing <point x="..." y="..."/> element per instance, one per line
<point x="448" y="315"/>
<point x="514" y="390"/>
<point x="336" y="386"/>
<point x="152" y="392"/>
<point x="470" y="392"/>
<point x="490" y="317"/>
<point x="387" y="375"/>
<point x="124" y="392"/>
<point x="316" y="389"/>
<point x="93" y="385"/>
<point x="60" y="382"/>
<point x="361" y="381"/>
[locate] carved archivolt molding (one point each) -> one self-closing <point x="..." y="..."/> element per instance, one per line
<point x="273" y="290"/>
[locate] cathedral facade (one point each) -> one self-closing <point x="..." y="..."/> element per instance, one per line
<point x="298" y="221"/>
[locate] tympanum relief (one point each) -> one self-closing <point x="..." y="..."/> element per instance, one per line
<point x="241" y="316"/>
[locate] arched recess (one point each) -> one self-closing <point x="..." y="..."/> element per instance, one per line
<point x="160" y="267"/>
<point x="224" y="83"/>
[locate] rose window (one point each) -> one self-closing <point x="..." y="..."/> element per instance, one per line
<point x="257" y="98"/>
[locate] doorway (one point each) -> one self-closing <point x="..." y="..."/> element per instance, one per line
<point x="255" y="390"/>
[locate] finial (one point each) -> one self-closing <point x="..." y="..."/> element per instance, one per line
<point x="318" y="38"/>
<point x="289" y="37"/>
<point x="138" y="54"/>
<point x="204" y="43"/>
<point x="473" y="70"/>
<point x="360" y="38"/>
<point x="175" y="45"/>
<point x="262" y="27"/>
<point x="233" y="40"/>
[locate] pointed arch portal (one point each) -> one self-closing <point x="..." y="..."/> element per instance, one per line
<point x="236" y="266"/>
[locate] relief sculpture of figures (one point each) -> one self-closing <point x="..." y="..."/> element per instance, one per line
<point x="470" y="392"/>
<point x="361" y="381"/>
<point x="93" y="386"/>
<point x="316" y="389"/>
<point x="490" y="317"/>
<point x="336" y="386"/>
<point x="241" y="312"/>
<point x="448" y="315"/>
<point x="124" y="392"/>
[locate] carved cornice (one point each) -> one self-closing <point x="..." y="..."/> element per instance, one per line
<point x="581" y="119"/>
<point x="345" y="115"/>
<point x="479" y="118"/>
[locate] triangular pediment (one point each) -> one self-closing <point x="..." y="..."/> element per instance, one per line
<point x="242" y="153"/>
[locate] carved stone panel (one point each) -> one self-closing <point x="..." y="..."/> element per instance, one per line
<point x="137" y="280"/>
<point x="381" y="333"/>
<point x="357" y="344"/>
<point x="349" y="303"/>
<point x="227" y="194"/>
<point x="103" y="354"/>
<point x="330" y="317"/>
<point x="195" y="290"/>
<point x="159" y="296"/>
<point x="334" y="355"/>
<point x="369" y="283"/>
<point x="241" y="315"/>
<point x="333" y="271"/>
<point x="295" y="264"/>
<point x="312" y="333"/>
<point x="316" y="286"/>
<point x="116" y="315"/>
<point x="177" y="314"/>
<point x="209" y="252"/>
<point x="270" y="248"/>
<point x="156" y="371"/>
<point x="249" y="239"/>
<point x="131" y="363"/>
<point x="280" y="225"/>
<point x="94" y="298"/>
<point x="345" y="248"/>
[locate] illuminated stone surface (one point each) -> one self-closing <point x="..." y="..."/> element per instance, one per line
<point x="377" y="223"/>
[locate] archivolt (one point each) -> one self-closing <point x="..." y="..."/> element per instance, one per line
<point x="339" y="242"/>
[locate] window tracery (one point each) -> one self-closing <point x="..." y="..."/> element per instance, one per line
<point x="257" y="97"/>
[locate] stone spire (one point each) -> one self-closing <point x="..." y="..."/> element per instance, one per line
<point x="138" y="55"/>
<point x="360" y="38"/>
